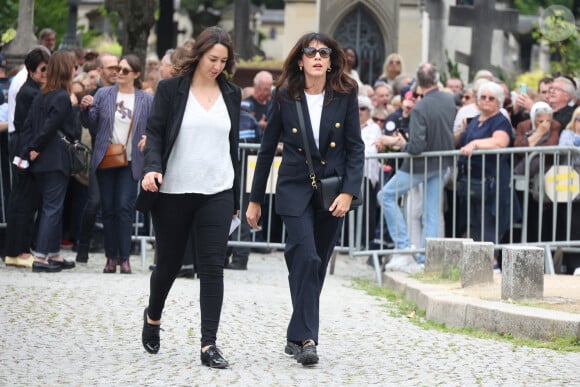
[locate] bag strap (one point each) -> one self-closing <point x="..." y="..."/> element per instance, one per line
<point x="312" y="175"/>
<point x="64" y="137"/>
<point x="129" y="132"/>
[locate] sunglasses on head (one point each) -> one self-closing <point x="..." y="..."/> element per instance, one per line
<point x="310" y="52"/>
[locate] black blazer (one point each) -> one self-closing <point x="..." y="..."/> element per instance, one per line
<point x="165" y="121"/>
<point x="50" y="113"/>
<point x="341" y="151"/>
<point x="22" y="137"/>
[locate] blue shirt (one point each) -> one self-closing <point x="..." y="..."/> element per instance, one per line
<point x="475" y="131"/>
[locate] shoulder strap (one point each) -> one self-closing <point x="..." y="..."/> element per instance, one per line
<point x="312" y="176"/>
<point x="130" y="127"/>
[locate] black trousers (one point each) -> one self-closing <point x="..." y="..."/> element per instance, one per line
<point x="173" y="216"/>
<point x="90" y="211"/>
<point x="312" y="237"/>
<point x="23" y="203"/>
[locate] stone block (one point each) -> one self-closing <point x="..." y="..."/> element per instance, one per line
<point x="522" y="274"/>
<point x="477" y="263"/>
<point x="434" y="254"/>
<point x="441" y="253"/>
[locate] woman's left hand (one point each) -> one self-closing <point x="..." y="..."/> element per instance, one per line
<point x="341" y="205"/>
<point x="33" y="155"/>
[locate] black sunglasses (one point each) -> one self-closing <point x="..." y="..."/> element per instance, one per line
<point x="310" y="52"/>
<point x="124" y="70"/>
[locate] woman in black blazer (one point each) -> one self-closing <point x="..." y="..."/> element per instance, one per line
<point x="191" y="178"/>
<point x="52" y="112"/>
<point x="313" y="74"/>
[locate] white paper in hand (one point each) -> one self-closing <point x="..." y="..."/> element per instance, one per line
<point x="235" y="223"/>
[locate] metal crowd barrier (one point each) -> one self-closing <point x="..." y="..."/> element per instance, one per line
<point x="558" y="181"/>
<point x="524" y="189"/>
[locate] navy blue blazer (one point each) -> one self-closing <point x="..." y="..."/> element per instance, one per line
<point x="341" y="151"/>
<point x="48" y="114"/>
<point x="165" y="122"/>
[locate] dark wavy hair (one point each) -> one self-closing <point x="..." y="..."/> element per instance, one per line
<point x="59" y="71"/>
<point x="135" y="63"/>
<point x="208" y="38"/>
<point x="293" y="78"/>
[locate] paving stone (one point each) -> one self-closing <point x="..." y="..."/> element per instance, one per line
<point x="82" y="328"/>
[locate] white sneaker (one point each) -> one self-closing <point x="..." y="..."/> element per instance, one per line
<point x="399" y="261"/>
<point x="577" y="271"/>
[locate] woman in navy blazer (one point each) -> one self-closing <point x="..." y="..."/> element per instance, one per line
<point x="313" y="74"/>
<point x="115" y="114"/>
<point x="191" y="175"/>
<point x="51" y="112"/>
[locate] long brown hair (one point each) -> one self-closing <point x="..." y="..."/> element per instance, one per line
<point x="204" y="42"/>
<point x="336" y="79"/>
<point x="59" y="71"/>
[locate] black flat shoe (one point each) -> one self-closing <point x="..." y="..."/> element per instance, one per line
<point x="292" y="349"/>
<point x="307" y="355"/>
<point x="150" y="335"/>
<point x="213" y="358"/>
<point x="41" y="267"/>
<point x="64" y="264"/>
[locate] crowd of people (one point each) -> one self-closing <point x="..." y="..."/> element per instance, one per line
<point x="179" y="122"/>
<point x="485" y="115"/>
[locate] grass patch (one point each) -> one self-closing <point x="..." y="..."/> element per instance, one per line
<point x="453" y="276"/>
<point x="398" y="306"/>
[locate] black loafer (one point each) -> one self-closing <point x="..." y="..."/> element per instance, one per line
<point x="41" y="267"/>
<point x="292" y="349"/>
<point x="150" y="335"/>
<point x="213" y="358"/>
<point x="307" y="355"/>
<point x="64" y="264"/>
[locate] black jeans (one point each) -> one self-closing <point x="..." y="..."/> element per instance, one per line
<point x="23" y="203"/>
<point x="173" y="217"/>
<point x="90" y="211"/>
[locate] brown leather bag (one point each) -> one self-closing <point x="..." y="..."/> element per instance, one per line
<point x="116" y="155"/>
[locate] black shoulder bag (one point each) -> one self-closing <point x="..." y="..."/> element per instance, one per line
<point x="328" y="188"/>
<point x="79" y="155"/>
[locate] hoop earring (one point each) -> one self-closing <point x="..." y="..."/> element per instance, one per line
<point x="300" y="68"/>
<point x="329" y="69"/>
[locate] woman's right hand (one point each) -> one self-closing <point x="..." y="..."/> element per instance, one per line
<point x="86" y="102"/>
<point x="253" y="214"/>
<point x="151" y="181"/>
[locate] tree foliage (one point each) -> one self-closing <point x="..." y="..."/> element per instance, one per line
<point x="47" y="14"/>
<point x="8" y="15"/>
<point x="531" y="7"/>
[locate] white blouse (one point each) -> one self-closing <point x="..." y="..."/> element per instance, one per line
<point x="200" y="159"/>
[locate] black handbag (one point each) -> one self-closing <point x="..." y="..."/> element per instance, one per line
<point x="79" y="155"/>
<point x="328" y="188"/>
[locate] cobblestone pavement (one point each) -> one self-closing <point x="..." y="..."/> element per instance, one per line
<point x="83" y="327"/>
